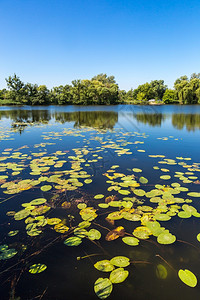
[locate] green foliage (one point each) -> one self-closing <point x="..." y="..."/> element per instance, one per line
<point x="100" y="90"/>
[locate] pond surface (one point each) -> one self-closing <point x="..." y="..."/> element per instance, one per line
<point x="80" y="186"/>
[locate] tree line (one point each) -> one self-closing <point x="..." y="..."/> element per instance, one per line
<point x="101" y="89"/>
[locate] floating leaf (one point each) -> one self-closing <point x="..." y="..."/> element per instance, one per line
<point x="61" y="228"/>
<point x="131" y="241"/>
<point x="73" y="241"/>
<point x="166" y="238"/>
<point x="37" y="268"/>
<point x="162" y="217"/>
<point x="46" y="188"/>
<point x="165" y="177"/>
<point x="13" y="232"/>
<point x="143" y="180"/>
<point x="104" y="266"/>
<point x="120" y="261"/>
<point x="38" y="201"/>
<point x="80" y="232"/>
<point x="137" y="170"/>
<point x="124" y="192"/>
<point x="114" y="234"/>
<point x="53" y="221"/>
<point x="3" y="247"/>
<point x="198" y="237"/>
<point x="87" y="181"/>
<point x="99" y="196"/>
<point x="142" y="232"/>
<point x="94" y="234"/>
<point x="103" y="287"/>
<point x="184" y="214"/>
<point x="103" y="205"/>
<point x="187" y="277"/>
<point x="193" y="194"/>
<point x="81" y="205"/>
<point x="8" y="253"/>
<point x="139" y="192"/>
<point x="118" y="275"/>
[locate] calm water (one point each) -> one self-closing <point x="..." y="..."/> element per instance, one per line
<point x="98" y="143"/>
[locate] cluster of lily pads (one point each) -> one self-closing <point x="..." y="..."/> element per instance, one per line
<point x="6" y="253"/>
<point x="104" y="286"/>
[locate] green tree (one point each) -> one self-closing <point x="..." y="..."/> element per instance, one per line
<point x="170" y="96"/>
<point x="16" y="89"/>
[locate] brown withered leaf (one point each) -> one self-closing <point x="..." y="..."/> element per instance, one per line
<point x="66" y="204"/>
<point x="111" y="222"/>
<point x="196" y="182"/>
<point x="114" y="234"/>
<point x="110" y="198"/>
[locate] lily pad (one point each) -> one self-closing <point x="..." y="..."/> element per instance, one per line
<point x="165" y="177"/>
<point x="7" y="254"/>
<point x="131" y="241"/>
<point x="193" y="194"/>
<point x="120" y="261"/>
<point x="118" y="275"/>
<point x="94" y="234"/>
<point x="46" y="188"/>
<point x="103" y="287"/>
<point x="37" y="268"/>
<point x="38" y="201"/>
<point x="73" y="241"/>
<point x="104" y="266"/>
<point x="143" y="180"/>
<point x="99" y="196"/>
<point x="187" y="277"/>
<point x="166" y="238"/>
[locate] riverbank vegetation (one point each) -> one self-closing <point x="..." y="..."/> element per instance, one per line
<point x="101" y="90"/>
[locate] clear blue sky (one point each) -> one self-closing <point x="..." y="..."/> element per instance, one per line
<point x="53" y="42"/>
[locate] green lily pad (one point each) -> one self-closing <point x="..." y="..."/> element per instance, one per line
<point x="13" y="232"/>
<point x="7" y="254"/>
<point x="184" y="214"/>
<point x="187" y="277"/>
<point x="22" y="214"/>
<point x="131" y="241"/>
<point x="198" y="237"/>
<point x="162" y="217"/>
<point x="46" y="188"/>
<point x="99" y="196"/>
<point x="143" y="180"/>
<point x="3" y="247"/>
<point x="139" y="192"/>
<point x="165" y="177"/>
<point x="87" y="181"/>
<point x="193" y="194"/>
<point x="73" y="241"/>
<point x="38" y="201"/>
<point x="94" y="234"/>
<point x="120" y="261"/>
<point x="118" y="275"/>
<point x="103" y="205"/>
<point x="124" y="192"/>
<point x="104" y="266"/>
<point x="53" y="221"/>
<point x="81" y="205"/>
<point x="37" y="268"/>
<point x="137" y="170"/>
<point x="103" y="287"/>
<point x="166" y="238"/>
